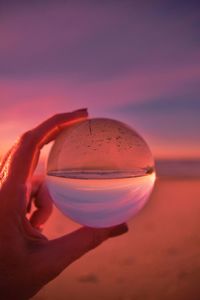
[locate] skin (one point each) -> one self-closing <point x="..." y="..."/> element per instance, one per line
<point x="28" y="260"/>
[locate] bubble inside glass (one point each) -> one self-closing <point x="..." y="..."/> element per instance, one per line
<point x="100" y="172"/>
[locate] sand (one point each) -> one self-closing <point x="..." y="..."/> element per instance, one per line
<point x="159" y="258"/>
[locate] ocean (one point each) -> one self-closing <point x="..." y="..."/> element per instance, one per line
<point x="178" y="168"/>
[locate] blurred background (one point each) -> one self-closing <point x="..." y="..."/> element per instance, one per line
<point x="136" y="61"/>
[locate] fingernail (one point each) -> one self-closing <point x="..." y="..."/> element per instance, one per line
<point x="81" y="110"/>
<point x="118" y="230"/>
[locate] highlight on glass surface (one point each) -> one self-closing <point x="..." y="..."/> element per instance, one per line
<point x="100" y="172"/>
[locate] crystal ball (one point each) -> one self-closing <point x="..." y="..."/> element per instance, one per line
<point x="100" y="172"/>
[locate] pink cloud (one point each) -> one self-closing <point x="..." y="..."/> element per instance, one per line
<point x="63" y="56"/>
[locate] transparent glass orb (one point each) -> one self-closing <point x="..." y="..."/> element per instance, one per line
<point x="100" y="172"/>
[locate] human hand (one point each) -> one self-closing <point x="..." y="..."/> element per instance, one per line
<point x="28" y="260"/>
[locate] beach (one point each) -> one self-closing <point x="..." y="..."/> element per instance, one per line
<point x="96" y="98"/>
<point x="157" y="259"/>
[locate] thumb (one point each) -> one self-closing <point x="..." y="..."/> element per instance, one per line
<point x="61" y="252"/>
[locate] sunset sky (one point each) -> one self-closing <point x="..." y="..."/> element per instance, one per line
<point x="136" y="61"/>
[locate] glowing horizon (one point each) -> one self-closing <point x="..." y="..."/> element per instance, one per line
<point x="135" y="66"/>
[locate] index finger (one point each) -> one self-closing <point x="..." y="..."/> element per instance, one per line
<point x="23" y="158"/>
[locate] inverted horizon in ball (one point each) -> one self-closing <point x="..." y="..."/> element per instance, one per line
<point x="100" y="172"/>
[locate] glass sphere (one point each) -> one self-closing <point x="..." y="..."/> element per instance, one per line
<point x="100" y="172"/>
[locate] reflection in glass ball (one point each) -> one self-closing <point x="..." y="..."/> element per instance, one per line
<point x="100" y="172"/>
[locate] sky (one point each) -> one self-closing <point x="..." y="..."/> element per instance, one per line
<point x="136" y="61"/>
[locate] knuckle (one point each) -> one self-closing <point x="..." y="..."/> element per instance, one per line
<point x="27" y="138"/>
<point x="55" y="117"/>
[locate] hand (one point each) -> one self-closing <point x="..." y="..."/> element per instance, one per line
<point x="28" y="260"/>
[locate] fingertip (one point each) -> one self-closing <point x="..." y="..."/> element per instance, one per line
<point x="82" y="112"/>
<point x="81" y="109"/>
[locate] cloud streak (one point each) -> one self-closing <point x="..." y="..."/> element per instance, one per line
<point x="136" y="61"/>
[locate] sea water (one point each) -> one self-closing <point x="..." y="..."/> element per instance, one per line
<point x="100" y="198"/>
